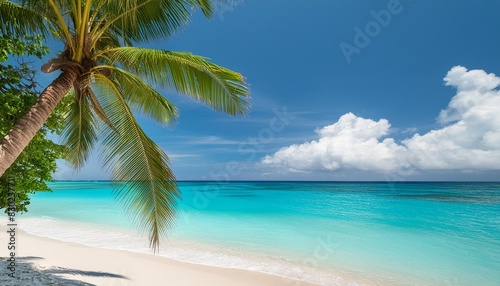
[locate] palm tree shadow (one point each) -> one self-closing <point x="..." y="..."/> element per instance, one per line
<point x="26" y="272"/>
<point x="61" y="270"/>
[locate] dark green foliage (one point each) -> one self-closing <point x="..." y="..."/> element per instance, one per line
<point x="18" y="91"/>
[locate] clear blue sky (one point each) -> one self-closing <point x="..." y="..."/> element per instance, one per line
<point x="340" y="90"/>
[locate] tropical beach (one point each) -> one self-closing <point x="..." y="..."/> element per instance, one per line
<point x="276" y="233"/>
<point x="42" y="261"/>
<point x="230" y="142"/>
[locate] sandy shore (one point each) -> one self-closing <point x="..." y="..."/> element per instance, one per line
<point x="44" y="261"/>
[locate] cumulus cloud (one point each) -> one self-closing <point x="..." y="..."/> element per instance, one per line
<point x="352" y="142"/>
<point x="469" y="138"/>
<point x="475" y="90"/>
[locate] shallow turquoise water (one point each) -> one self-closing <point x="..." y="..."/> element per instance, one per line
<point x="328" y="233"/>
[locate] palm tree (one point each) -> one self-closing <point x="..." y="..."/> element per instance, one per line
<point x="108" y="80"/>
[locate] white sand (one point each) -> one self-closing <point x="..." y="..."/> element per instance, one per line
<point x="44" y="261"/>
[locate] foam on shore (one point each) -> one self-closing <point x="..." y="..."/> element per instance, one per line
<point x="185" y="251"/>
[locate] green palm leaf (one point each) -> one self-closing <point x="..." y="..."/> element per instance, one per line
<point x="151" y="192"/>
<point x="22" y="20"/>
<point x="143" y="97"/>
<point x="206" y="7"/>
<point x="218" y="87"/>
<point x="142" y="20"/>
<point x="96" y="106"/>
<point x="79" y="134"/>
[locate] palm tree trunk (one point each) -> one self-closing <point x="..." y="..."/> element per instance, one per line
<point x="26" y="128"/>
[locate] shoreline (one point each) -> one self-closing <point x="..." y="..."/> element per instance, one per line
<point x="191" y="252"/>
<point x="41" y="260"/>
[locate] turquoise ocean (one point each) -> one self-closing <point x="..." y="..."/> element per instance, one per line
<point x="330" y="233"/>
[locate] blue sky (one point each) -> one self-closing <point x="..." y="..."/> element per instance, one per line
<point x="321" y="111"/>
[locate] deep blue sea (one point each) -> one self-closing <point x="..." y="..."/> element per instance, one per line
<point x="327" y="233"/>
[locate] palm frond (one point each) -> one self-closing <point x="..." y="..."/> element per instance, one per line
<point x="218" y="87"/>
<point x="143" y="20"/>
<point x="79" y="134"/>
<point x="143" y="97"/>
<point x="151" y="192"/>
<point x="58" y="19"/>
<point x="22" y="20"/>
<point x="98" y="108"/>
<point x="206" y="7"/>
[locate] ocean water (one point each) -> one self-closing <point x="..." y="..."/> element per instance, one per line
<point x="326" y="233"/>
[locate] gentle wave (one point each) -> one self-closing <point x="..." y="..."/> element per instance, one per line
<point x="191" y="252"/>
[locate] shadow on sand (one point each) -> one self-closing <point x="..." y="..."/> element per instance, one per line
<point x="26" y="273"/>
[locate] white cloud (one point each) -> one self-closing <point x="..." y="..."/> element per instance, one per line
<point x="475" y="90"/>
<point x="346" y="143"/>
<point x="175" y="156"/>
<point x="469" y="138"/>
<point x="213" y="140"/>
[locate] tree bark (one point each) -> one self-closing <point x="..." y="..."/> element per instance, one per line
<point x="26" y="128"/>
